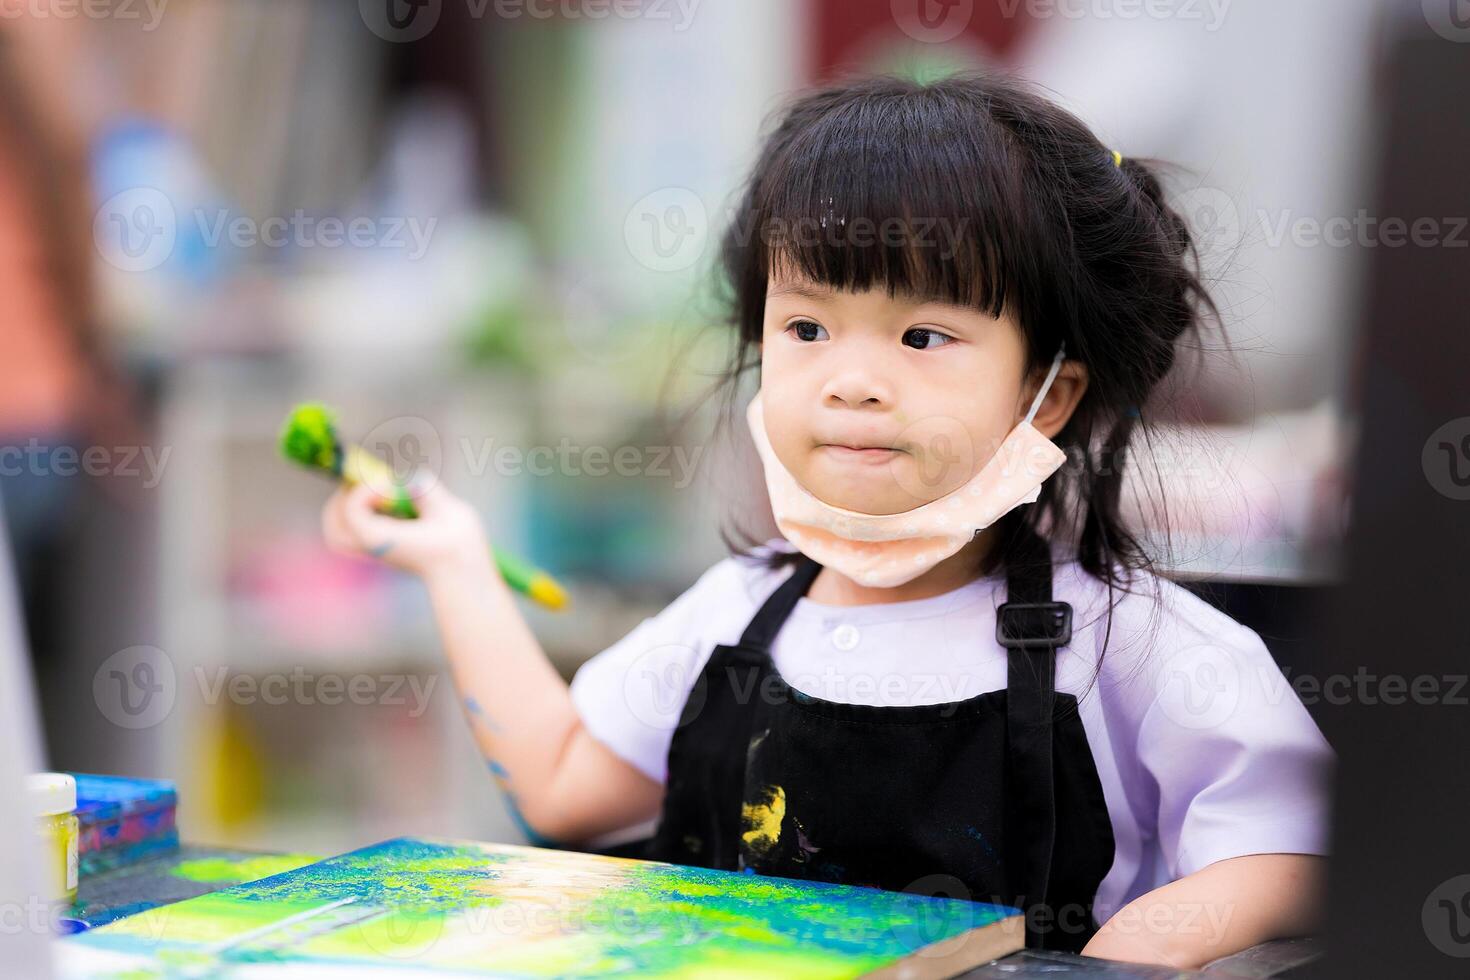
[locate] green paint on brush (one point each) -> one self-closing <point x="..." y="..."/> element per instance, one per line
<point x="310" y="438"/>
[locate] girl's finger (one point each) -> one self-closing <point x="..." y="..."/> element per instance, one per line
<point x="360" y="515"/>
<point x="426" y="491"/>
<point x="334" y="526"/>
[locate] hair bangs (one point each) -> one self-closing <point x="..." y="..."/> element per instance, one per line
<point x="895" y="202"/>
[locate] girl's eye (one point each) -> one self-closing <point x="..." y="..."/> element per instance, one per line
<point x="921" y="338"/>
<point x="808" y="331"/>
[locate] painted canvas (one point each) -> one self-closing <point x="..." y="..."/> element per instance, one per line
<point x="425" y="908"/>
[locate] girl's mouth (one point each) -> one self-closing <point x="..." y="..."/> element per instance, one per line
<point x="859" y="454"/>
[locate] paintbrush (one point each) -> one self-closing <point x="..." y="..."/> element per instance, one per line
<point x="310" y="438"/>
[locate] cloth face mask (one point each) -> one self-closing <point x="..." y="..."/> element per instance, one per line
<point x="885" y="550"/>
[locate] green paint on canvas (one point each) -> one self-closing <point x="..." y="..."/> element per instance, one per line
<point x="480" y="909"/>
<point x="216" y="869"/>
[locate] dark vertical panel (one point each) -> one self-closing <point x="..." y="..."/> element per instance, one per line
<point x="1400" y="836"/>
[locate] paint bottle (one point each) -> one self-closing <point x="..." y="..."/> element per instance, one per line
<point x="53" y="799"/>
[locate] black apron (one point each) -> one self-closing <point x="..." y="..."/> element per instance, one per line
<point x="994" y="798"/>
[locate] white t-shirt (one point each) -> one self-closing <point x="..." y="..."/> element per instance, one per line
<point x="1204" y="750"/>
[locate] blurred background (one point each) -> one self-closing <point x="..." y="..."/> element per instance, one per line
<point x="484" y="232"/>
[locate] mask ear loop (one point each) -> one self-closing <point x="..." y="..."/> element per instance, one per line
<point x="1051" y="375"/>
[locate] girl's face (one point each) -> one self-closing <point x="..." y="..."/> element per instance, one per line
<point x="881" y="404"/>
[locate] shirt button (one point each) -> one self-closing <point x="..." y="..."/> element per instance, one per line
<point x="845" y="637"/>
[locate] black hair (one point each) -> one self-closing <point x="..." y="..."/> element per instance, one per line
<point x="978" y="191"/>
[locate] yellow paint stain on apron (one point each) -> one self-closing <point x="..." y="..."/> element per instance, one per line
<point x="763" y="820"/>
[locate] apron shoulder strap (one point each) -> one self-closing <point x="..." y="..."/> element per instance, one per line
<point x="766" y="623"/>
<point x="1031" y="626"/>
<point x="1030" y="619"/>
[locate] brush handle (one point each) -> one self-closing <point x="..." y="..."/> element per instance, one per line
<point x="361" y="466"/>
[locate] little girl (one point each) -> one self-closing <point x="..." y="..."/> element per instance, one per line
<point x="954" y="672"/>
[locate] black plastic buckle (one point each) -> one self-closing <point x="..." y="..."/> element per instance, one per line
<point x="1032" y="625"/>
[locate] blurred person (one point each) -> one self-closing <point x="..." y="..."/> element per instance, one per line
<point x="949" y="291"/>
<point x="58" y="392"/>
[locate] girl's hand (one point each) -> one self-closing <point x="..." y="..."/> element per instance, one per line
<point x="446" y="535"/>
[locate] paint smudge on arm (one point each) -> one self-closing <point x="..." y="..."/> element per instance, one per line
<point x="513" y="807"/>
<point x="477" y="715"/>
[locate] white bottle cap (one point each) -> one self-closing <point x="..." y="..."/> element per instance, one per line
<point x="51" y="793"/>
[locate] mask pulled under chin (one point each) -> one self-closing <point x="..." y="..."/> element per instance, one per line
<point x="885" y="550"/>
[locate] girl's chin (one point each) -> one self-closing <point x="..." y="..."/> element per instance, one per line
<point x="877" y="491"/>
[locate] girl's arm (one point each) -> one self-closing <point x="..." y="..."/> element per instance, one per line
<point x="561" y="784"/>
<point x="1221" y="909"/>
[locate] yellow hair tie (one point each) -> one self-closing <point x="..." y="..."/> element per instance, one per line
<point x="1117" y="159"/>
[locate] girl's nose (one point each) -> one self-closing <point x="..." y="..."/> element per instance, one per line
<point x="855" y="387"/>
